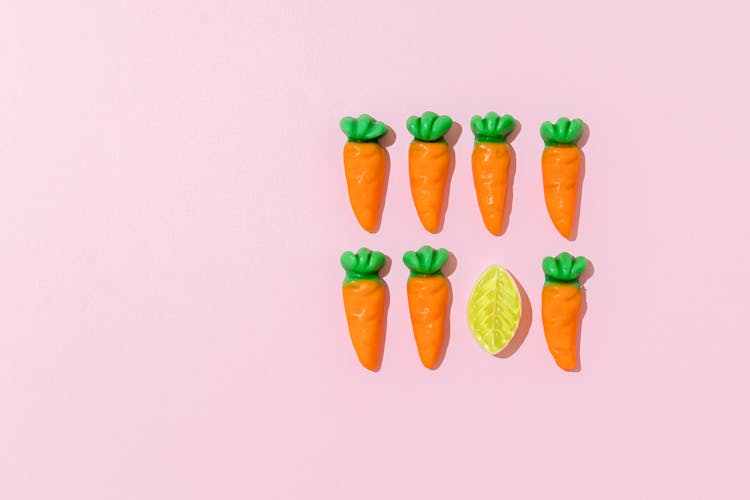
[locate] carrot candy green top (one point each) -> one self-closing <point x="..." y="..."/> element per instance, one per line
<point x="362" y="129"/>
<point x="426" y="261"/>
<point x="565" y="132"/>
<point x="430" y="127"/>
<point x="563" y="269"/>
<point x="493" y="128"/>
<point x="363" y="265"/>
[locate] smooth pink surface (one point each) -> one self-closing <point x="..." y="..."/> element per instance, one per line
<point x="172" y="209"/>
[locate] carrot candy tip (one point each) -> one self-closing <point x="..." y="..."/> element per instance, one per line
<point x="365" y="128"/>
<point x="430" y="127"/>
<point x="493" y="127"/>
<point x="564" y="132"/>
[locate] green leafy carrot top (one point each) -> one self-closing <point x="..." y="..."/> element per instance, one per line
<point x="563" y="269"/>
<point x="362" y="129"/>
<point x="426" y="261"/>
<point x="430" y="127"/>
<point x="493" y="128"/>
<point x="564" y="132"/>
<point x="363" y="265"/>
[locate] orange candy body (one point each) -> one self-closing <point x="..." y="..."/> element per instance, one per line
<point x="561" y="166"/>
<point x="561" y="308"/>
<point x="490" y="162"/>
<point x="364" y="303"/>
<point x="364" y="165"/>
<point x="428" y="174"/>
<point x="428" y="303"/>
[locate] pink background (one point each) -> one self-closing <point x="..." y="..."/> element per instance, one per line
<point x="172" y="209"/>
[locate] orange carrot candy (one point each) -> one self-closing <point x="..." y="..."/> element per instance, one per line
<point x="561" y="166"/>
<point x="364" y="165"/>
<point x="427" y="290"/>
<point x="364" y="303"/>
<point x="490" y="162"/>
<point x="429" y="162"/>
<point x="562" y="296"/>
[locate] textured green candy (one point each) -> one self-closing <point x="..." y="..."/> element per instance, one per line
<point x="365" y="128"/>
<point x="426" y="261"/>
<point x="363" y="265"/>
<point x="494" y="309"/>
<point x="492" y="128"/>
<point x="563" y="269"/>
<point x="565" y="132"/>
<point x="430" y="127"/>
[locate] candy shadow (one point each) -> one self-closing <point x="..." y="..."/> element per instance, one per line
<point x="524" y="325"/>
<point x="509" y="193"/>
<point x="448" y="269"/>
<point x="446" y="330"/>
<point x="511" y="179"/>
<point x="588" y="273"/>
<point x="584" y="136"/>
<point x="451" y="138"/>
<point x="581" y="142"/>
<point x="387" y="140"/>
<point x="450" y="265"/>
<point x="386" y="305"/>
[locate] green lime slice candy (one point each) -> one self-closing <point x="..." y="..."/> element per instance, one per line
<point x="494" y="309"/>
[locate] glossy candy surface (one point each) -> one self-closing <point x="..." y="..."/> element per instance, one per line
<point x="561" y="167"/>
<point x="429" y="165"/>
<point x="427" y="291"/>
<point x="494" y="309"/>
<point x="364" y="167"/>
<point x="562" y="297"/>
<point x="490" y="162"/>
<point x="364" y="303"/>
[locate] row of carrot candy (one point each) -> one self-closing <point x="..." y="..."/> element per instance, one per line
<point x="429" y="164"/>
<point x="493" y="312"/>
